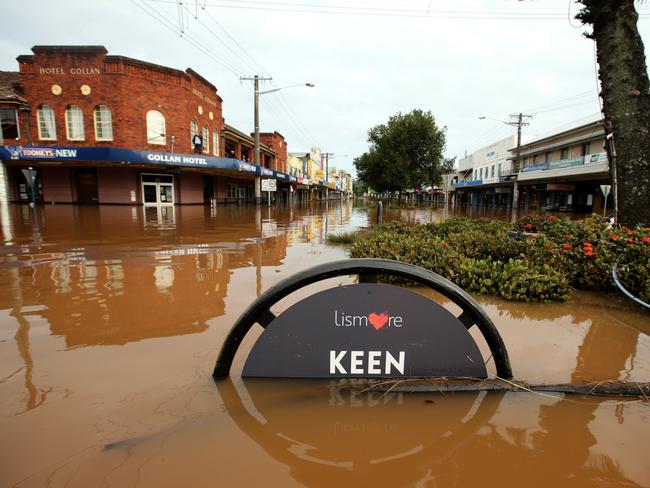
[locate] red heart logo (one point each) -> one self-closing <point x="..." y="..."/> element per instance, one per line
<point x="378" y="320"/>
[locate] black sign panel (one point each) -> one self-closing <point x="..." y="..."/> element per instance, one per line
<point x="365" y="331"/>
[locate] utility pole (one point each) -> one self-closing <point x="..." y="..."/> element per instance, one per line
<point x="518" y="121"/>
<point x="256" y="86"/>
<point x="327" y="172"/>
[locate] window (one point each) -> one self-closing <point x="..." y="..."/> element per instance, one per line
<point x="156" y="128"/>
<point x="74" y="123"/>
<point x="564" y="153"/>
<point x="103" y="123"/>
<point x="206" y="139"/>
<point x="9" y="122"/>
<point x="233" y="190"/>
<point x="194" y="128"/>
<point x="245" y="153"/>
<point x="46" y="123"/>
<point x="549" y="157"/>
<point x="215" y="143"/>
<point x="492" y="172"/>
<point x="586" y="148"/>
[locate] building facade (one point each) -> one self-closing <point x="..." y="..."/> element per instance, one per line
<point x="82" y="126"/>
<point x="560" y="171"/>
<point x="487" y="174"/>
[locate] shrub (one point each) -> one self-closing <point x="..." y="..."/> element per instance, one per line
<point x="479" y="256"/>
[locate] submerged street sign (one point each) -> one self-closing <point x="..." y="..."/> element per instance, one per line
<point x="365" y="330"/>
<point x="269" y="185"/>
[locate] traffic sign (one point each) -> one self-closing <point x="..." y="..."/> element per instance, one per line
<point x="269" y="185"/>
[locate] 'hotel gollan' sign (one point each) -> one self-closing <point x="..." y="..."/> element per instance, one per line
<point x="365" y="330"/>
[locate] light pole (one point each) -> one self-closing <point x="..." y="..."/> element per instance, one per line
<point x="328" y="155"/>
<point x="256" y="87"/>
<point x="516" y="120"/>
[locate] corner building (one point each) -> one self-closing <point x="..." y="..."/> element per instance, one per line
<point x="97" y="128"/>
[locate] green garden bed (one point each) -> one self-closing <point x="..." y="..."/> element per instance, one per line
<point x="479" y="256"/>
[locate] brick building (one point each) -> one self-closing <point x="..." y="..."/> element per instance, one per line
<point x="98" y="128"/>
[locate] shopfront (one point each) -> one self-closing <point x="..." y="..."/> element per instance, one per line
<point x="157" y="189"/>
<point x="124" y="176"/>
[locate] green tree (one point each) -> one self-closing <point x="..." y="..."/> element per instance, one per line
<point x="404" y="153"/>
<point x="359" y="187"/>
<point x="626" y="100"/>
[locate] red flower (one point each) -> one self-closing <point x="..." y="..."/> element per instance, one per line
<point x="587" y="245"/>
<point x="552" y="218"/>
<point x="589" y="253"/>
<point x="624" y="229"/>
<point x="614" y="236"/>
<point x="566" y="246"/>
<point x="444" y="244"/>
<point x="633" y="232"/>
<point x="629" y="240"/>
<point x="568" y="236"/>
<point x="528" y="226"/>
<point x="646" y="240"/>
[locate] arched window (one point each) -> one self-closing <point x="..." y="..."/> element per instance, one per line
<point x="215" y="143"/>
<point x="103" y="123"/>
<point x="46" y="123"/>
<point x="74" y="123"/>
<point x="194" y="128"/>
<point x="205" y="133"/>
<point x="156" y="128"/>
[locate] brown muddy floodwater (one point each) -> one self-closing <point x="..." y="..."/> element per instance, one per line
<point x="111" y="318"/>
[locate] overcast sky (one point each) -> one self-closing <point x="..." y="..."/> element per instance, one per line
<point x="369" y="59"/>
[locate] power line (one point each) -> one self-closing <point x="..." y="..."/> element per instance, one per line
<point x="282" y="102"/>
<point x="562" y="100"/>
<point x="565" y="107"/>
<point x="160" y="18"/>
<point x="243" y="50"/>
<point x="486" y="14"/>
<point x="226" y="45"/>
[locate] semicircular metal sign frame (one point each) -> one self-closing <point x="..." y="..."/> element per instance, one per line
<point x="300" y="341"/>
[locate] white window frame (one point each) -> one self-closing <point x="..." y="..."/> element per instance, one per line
<point x="42" y="109"/>
<point x="215" y="143"/>
<point x="194" y="128"/>
<point x="102" y="122"/>
<point x="70" y="123"/>
<point x="154" y="136"/>
<point x="205" y="135"/>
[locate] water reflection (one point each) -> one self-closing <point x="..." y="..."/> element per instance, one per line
<point x="120" y="283"/>
<point x="165" y="286"/>
<point x="456" y="440"/>
<point x="338" y="443"/>
<point x="35" y="396"/>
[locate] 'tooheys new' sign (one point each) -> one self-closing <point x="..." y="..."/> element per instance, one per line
<point x="365" y="331"/>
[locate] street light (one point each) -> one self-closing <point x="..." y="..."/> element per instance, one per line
<point x="256" y="87"/>
<point x="310" y="85"/>
<point x="483" y="117"/>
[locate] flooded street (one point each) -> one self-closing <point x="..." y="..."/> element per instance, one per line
<point x="111" y="319"/>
